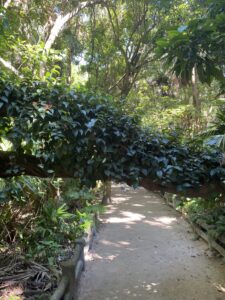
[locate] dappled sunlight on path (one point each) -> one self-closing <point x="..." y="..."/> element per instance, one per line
<point x="144" y="250"/>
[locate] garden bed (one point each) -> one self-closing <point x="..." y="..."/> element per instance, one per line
<point x="25" y="279"/>
<point x="40" y="232"/>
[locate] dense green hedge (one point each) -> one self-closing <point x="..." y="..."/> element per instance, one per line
<point x="88" y="136"/>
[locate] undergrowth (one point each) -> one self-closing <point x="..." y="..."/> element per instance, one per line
<point x="41" y="218"/>
<point x="209" y="213"/>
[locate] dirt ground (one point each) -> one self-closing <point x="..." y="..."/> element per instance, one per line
<point x="145" y="250"/>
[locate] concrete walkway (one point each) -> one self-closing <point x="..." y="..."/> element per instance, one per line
<point x="145" y="250"/>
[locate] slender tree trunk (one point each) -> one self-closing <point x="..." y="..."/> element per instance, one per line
<point x="107" y="191"/>
<point x="127" y="84"/>
<point x="69" y="65"/>
<point x="195" y="91"/>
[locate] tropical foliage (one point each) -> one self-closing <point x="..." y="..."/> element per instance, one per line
<point x="99" y="90"/>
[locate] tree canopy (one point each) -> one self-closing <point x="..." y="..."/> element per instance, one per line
<point x="198" y="44"/>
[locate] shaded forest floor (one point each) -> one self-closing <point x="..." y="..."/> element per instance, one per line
<point x="145" y="250"/>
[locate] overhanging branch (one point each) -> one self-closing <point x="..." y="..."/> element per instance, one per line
<point x="203" y="191"/>
<point x="13" y="164"/>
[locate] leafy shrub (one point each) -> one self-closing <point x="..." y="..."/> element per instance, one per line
<point x="83" y="135"/>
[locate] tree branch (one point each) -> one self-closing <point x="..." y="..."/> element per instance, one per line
<point x="9" y="66"/>
<point x="116" y="35"/>
<point x="57" y="27"/>
<point x="14" y="164"/>
<point x="203" y="191"/>
<point x="7" y="3"/>
<point x="17" y="164"/>
<point x="117" y="83"/>
<point x="61" y="21"/>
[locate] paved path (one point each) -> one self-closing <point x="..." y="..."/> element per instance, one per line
<point x="145" y="250"/>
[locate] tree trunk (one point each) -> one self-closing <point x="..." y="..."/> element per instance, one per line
<point x="107" y="191"/>
<point x="195" y="91"/>
<point x="69" y="65"/>
<point x="126" y="84"/>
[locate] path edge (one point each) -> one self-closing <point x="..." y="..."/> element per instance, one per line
<point x="200" y="229"/>
<point x="72" y="268"/>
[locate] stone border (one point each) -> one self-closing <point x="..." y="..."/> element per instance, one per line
<point x="199" y="229"/>
<point x="72" y="268"/>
